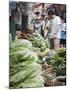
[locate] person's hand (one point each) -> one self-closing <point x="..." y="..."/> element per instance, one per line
<point x="34" y="33"/>
<point x="54" y="36"/>
<point x="45" y="36"/>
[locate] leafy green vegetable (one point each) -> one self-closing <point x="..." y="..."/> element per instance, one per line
<point x="24" y="69"/>
<point x="58" y="61"/>
<point x="38" y="41"/>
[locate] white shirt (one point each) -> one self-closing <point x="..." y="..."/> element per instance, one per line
<point x="37" y="27"/>
<point x="55" y="24"/>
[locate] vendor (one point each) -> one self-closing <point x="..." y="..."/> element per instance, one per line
<point x="12" y="25"/>
<point x="18" y="17"/>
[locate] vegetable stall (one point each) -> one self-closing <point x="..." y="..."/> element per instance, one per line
<point x="33" y="64"/>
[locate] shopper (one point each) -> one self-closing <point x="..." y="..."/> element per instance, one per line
<point x="43" y="24"/>
<point x="63" y="34"/>
<point x="47" y="27"/>
<point x="47" y="30"/>
<point x="55" y="28"/>
<point x="37" y="26"/>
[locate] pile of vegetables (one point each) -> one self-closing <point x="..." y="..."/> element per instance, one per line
<point x="24" y="69"/>
<point x="25" y="56"/>
<point x="58" y="61"/>
<point x="38" y="41"/>
<point x="54" y="68"/>
<point x="40" y="45"/>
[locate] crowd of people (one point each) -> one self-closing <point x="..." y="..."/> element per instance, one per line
<point x="51" y="27"/>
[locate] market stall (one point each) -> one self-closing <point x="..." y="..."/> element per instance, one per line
<point x="32" y="62"/>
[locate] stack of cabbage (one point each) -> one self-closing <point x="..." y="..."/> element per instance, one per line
<point x="24" y="69"/>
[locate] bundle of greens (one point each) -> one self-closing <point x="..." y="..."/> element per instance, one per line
<point x="58" y="61"/>
<point x="38" y="41"/>
<point x="24" y="69"/>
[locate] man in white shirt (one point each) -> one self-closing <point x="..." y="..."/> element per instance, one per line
<point x="55" y="29"/>
<point x="37" y="23"/>
<point x="37" y="26"/>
